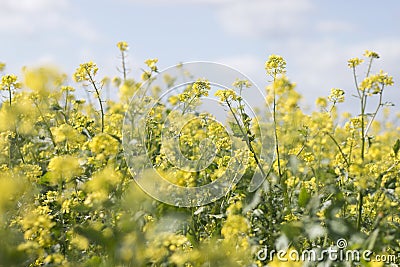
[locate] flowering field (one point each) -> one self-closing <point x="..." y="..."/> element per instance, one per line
<point x="68" y="195"/>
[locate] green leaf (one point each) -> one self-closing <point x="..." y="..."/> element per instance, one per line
<point x="304" y="197"/>
<point x="396" y="147"/>
<point x="236" y="130"/>
<point x="292" y="230"/>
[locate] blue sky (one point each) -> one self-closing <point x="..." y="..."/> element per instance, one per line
<point x="315" y="37"/>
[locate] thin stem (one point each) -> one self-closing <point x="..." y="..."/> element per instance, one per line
<point x="360" y="204"/>
<point x="340" y="149"/>
<point x="9" y="95"/>
<point x="363" y="105"/>
<point x="356" y="82"/>
<point x="351" y="147"/>
<point x="46" y="123"/>
<point x="18" y="147"/>
<point x="376" y="111"/>
<point x="276" y="136"/>
<point x="369" y="67"/>
<point x="363" y="134"/>
<point x="11" y="143"/>
<point x="9" y="151"/>
<point x="123" y="65"/>
<point x="360" y="193"/>
<point x="66" y="101"/>
<point x="98" y="98"/>
<point x="63" y="232"/>
<point x="187" y="105"/>
<point x="247" y="140"/>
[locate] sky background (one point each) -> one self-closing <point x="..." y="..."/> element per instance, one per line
<point x="315" y="37"/>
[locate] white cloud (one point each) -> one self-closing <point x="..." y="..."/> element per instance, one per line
<point x="333" y="26"/>
<point x="26" y="16"/>
<point x="31" y="17"/>
<point x="316" y="67"/>
<point x="179" y="2"/>
<point x="247" y="64"/>
<point x="260" y="17"/>
<point x="250" y="17"/>
<point x="29" y="6"/>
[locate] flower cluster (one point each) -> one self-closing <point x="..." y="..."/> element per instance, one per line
<point x="374" y="84"/>
<point x="86" y="72"/>
<point x="122" y="46"/>
<point x="336" y="96"/>
<point x="275" y="65"/>
<point x="67" y="197"/>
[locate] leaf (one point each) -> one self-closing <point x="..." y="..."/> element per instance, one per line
<point x="292" y="229"/>
<point x="236" y="130"/>
<point x="396" y="147"/>
<point x="304" y="197"/>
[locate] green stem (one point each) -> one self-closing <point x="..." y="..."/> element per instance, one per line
<point x="9" y="151"/>
<point x="276" y="139"/>
<point x="66" y="113"/>
<point x="9" y="95"/>
<point x="98" y="99"/>
<point x="360" y="204"/>
<point x="356" y="82"/>
<point x="340" y="149"/>
<point x="248" y="143"/>
<point x="376" y="111"/>
<point x="46" y="124"/>
<point x="123" y="65"/>
<point x="363" y="105"/>
<point x="363" y="135"/>
<point x="369" y="67"/>
<point x="63" y="232"/>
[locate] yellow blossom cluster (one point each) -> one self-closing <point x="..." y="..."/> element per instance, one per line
<point x="275" y="65"/>
<point x="68" y="196"/>
<point x="122" y="46"/>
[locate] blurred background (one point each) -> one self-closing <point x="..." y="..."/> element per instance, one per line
<point x="315" y="37"/>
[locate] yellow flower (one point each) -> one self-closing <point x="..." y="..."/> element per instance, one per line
<point x="371" y="54"/>
<point x="173" y="100"/>
<point x="122" y="46"/>
<point x="67" y="89"/>
<point x="336" y="96"/>
<point x="80" y="242"/>
<point x="85" y="72"/>
<point x="151" y="63"/>
<point x="104" y="144"/>
<point x="9" y="82"/>
<point x="43" y="80"/>
<point x="2" y="66"/>
<point x="353" y="62"/>
<point x="201" y="88"/>
<point x="66" y="132"/>
<point x="64" y="168"/>
<point x="275" y="65"/>
<point x="241" y="83"/>
<point x="10" y="187"/>
<point x="226" y="95"/>
<point x="308" y="157"/>
<point x="234" y="226"/>
<point x="321" y="102"/>
<point x="145" y="75"/>
<point x="104" y="178"/>
<point x="374" y="83"/>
